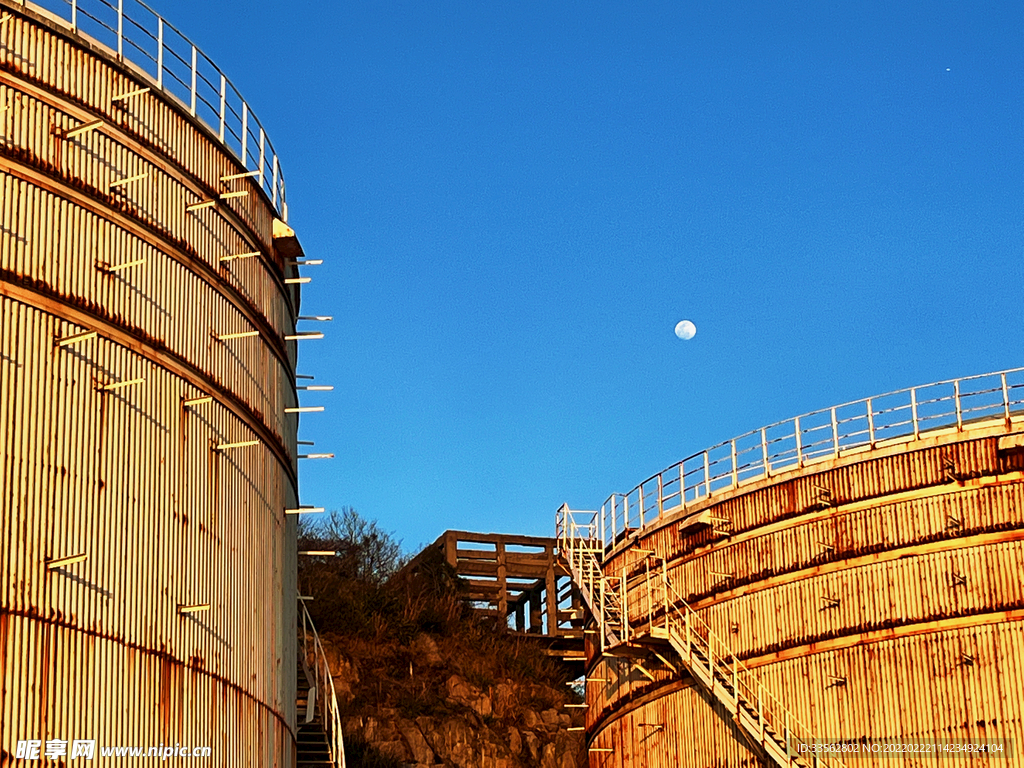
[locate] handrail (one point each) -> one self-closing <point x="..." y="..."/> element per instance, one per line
<point x="136" y="33"/>
<point x="323" y="686"/>
<point x="960" y="404"/>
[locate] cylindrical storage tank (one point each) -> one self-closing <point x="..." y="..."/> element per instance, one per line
<point x="147" y="459"/>
<point x="861" y="564"/>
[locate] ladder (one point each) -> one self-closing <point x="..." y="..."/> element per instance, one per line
<point x="665" y="617"/>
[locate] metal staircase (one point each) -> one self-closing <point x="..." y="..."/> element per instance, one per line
<point x="319" y="740"/>
<point x="663" y="617"/>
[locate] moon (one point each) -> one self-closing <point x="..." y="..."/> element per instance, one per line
<point x="686" y="330"/>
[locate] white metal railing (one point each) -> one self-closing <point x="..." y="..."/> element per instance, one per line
<point x="662" y="613"/>
<point x="958" y="404"/>
<point x="314" y="662"/>
<point x="603" y="596"/>
<point x="137" y="34"/>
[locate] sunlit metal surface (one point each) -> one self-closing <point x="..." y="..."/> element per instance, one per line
<point x="148" y="579"/>
<point x="862" y="586"/>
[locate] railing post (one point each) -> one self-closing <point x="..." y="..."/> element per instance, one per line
<point x="263" y="142"/>
<point x="735" y="469"/>
<point x="650" y="596"/>
<point x="223" y="104"/>
<point x="661" y="497"/>
<point x="689" y="644"/>
<point x="664" y="590"/>
<point x="959" y="413"/>
<point x="735" y="683"/>
<point x="601" y="525"/>
<point x="835" y="433"/>
<point x="799" y="442"/>
<point x="274" y="196"/>
<point x="120" y="30"/>
<point x="623" y="606"/>
<point x="192" y="102"/>
<point x="640" y="495"/>
<point x="245" y="135"/>
<point x="682" y="485"/>
<point x="707" y="476"/>
<point x="913" y="412"/>
<point x="74" y="15"/>
<point x="160" y="53"/>
<point x="1006" y="400"/>
<point x="764" y="452"/>
<point x="871" y="425"/>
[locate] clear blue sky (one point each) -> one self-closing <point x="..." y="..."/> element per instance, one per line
<point x="516" y="202"/>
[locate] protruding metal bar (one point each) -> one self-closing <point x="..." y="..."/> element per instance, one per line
<point x="321" y="552"/>
<point x="297" y="280"/>
<point x="233" y="195"/>
<point x="60" y="562"/>
<point x="76" y="338"/>
<point x="200" y="205"/>
<point x="305" y="442"/>
<point x="128" y="180"/>
<point x="247" y="255"/>
<point x="193" y="401"/>
<point x="303" y="376"/>
<point x="232" y="446"/>
<point x="121" y="267"/>
<point x="239" y="335"/>
<point x="84" y="128"/>
<point x="316" y="455"/>
<point x="304" y="511"/>
<point x="122" y="384"/>
<point x="305" y="409"/>
<point x="196" y="608"/>
<point x="320" y="318"/>
<point x="318" y="388"/>
<point x="130" y="94"/>
<point x="300" y="336"/>
<point x="233" y="176"/>
<point x="305" y="262"/>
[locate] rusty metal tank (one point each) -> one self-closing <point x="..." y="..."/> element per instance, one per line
<point x="851" y="576"/>
<point x="148" y="300"/>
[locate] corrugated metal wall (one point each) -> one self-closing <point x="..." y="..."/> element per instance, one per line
<point x="877" y="596"/>
<point x="102" y="456"/>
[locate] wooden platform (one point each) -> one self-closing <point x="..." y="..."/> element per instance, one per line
<point x="521" y="583"/>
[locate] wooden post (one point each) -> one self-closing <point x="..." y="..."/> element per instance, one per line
<point x="499" y="552"/>
<point x="536" y="617"/>
<point x="551" y="591"/>
<point x="451" y="549"/>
